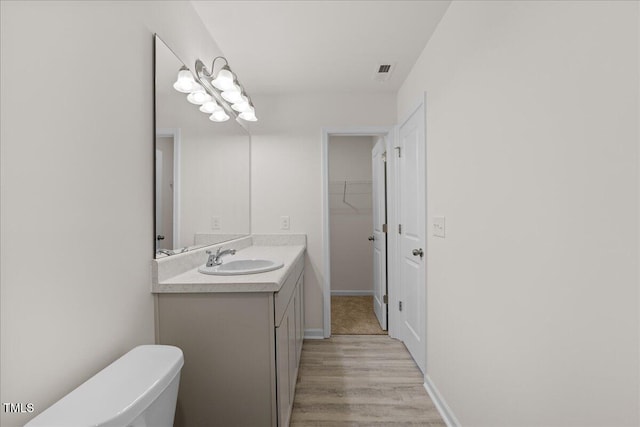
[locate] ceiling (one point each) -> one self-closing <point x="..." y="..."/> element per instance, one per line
<point x="320" y="46"/>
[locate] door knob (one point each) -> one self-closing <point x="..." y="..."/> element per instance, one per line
<point x="372" y="238"/>
<point x="160" y="237"/>
<point x="417" y="252"/>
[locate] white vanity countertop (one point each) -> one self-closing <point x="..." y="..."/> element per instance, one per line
<point x="193" y="281"/>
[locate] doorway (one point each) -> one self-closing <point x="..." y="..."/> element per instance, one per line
<point x="350" y="190"/>
<point x="355" y="254"/>
<point x="167" y="183"/>
<point x="405" y="148"/>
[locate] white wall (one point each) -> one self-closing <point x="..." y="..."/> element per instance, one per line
<point x="286" y="169"/>
<point x="532" y="148"/>
<point x="351" y="222"/>
<point x="77" y="186"/>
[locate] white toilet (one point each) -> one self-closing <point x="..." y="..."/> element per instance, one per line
<point x="138" y="390"/>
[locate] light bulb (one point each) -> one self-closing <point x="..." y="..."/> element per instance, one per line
<point x="224" y="79"/>
<point x="185" y="81"/>
<point x="210" y="107"/>
<point x="219" y="116"/>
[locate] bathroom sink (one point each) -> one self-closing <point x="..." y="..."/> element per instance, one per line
<point x="242" y="266"/>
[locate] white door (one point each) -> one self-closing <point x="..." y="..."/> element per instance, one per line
<point x="412" y="164"/>
<point x="379" y="236"/>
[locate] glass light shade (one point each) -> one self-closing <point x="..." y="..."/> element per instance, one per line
<point x="185" y="82"/>
<point x="210" y="107"/>
<point x="219" y="116"/>
<point x="224" y="79"/>
<point x="249" y="116"/>
<point x="199" y="96"/>
<point x="233" y="94"/>
<point x="242" y="106"/>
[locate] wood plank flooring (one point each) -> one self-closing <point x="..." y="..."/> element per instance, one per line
<point x="360" y="380"/>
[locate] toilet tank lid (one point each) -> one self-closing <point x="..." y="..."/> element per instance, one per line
<point x="119" y="393"/>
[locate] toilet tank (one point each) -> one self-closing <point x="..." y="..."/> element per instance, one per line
<point x="138" y="390"/>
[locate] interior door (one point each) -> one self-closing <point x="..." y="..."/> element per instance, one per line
<point x="379" y="236"/>
<point x="412" y="163"/>
<point x="159" y="232"/>
<point x="165" y="238"/>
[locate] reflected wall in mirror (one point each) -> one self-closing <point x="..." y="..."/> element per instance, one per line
<point x="202" y="168"/>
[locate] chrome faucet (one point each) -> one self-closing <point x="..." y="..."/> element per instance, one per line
<point x="170" y="252"/>
<point x="214" y="259"/>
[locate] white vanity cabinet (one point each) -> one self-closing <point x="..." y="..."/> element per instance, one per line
<point x="241" y="350"/>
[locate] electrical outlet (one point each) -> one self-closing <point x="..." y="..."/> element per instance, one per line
<point x="215" y="223"/>
<point x="438" y="226"/>
<point x="284" y="223"/>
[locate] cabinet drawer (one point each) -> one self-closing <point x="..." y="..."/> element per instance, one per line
<point x="282" y="298"/>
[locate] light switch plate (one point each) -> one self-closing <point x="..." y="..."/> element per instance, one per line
<point x="284" y="222"/>
<point x="438" y="226"/>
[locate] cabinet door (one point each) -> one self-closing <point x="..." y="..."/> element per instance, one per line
<point x="286" y="362"/>
<point x="299" y="317"/>
<point x="293" y="348"/>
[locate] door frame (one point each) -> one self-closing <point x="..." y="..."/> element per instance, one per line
<point x="175" y="134"/>
<point x="389" y="133"/>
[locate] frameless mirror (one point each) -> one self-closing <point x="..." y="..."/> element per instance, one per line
<point x="202" y="184"/>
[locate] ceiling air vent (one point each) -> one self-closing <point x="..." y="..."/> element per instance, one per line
<point x="383" y="72"/>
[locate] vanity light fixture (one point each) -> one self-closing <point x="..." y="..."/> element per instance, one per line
<point x="219" y="94"/>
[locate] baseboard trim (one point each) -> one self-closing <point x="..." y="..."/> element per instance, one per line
<point x="313" y="334"/>
<point x="350" y="293"/>
<point x="445" y="412"/>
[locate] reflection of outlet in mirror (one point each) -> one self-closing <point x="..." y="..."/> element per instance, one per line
<point x="438" y="226"/>
<point x="284" y="222"/>
<point x="215" y="223"/>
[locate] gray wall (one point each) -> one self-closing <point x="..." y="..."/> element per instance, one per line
<point x="532" y="156"/>
<point x="77" y="189"/>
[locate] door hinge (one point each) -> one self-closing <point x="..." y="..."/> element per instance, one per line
<point x="399" y="228"/>
<point x="384" y="156"/>
<point x="385" y="299"/>
<point x="384" y="228"/>
<point x="400" y="305"/>
<point x="399" y="151"/>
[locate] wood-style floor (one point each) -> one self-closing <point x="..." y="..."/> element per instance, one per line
<point x="360" y="380"/>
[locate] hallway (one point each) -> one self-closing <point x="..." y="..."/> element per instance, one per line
<point x="359" y="380"/>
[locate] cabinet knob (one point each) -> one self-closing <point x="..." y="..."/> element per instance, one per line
<point x="372" y="238"/>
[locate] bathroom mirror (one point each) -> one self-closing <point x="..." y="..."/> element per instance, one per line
<point x="202" y="186"/>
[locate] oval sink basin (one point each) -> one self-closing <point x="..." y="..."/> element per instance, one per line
<point x="242" y="266"/>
